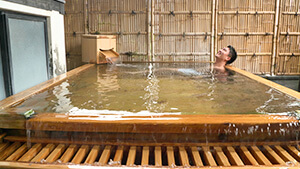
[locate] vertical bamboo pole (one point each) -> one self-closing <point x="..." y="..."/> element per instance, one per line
<point x="216" y="27"/>
<point x="152" y="30"/>
<point x="274" y="46"/>
<point x="85" y="14"/>
<point x="149" y="30"/>
<point x="212" y="43"/>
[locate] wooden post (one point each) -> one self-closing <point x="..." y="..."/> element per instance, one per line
<point x="299" y="85"/>
<point x="212" y="42"/>
<point x="216" y="28"/>
<point x="152" y="30"/>
<point x="274" y="45"/>
<point x="85" y="17"/>
<point x="149" y="30"/>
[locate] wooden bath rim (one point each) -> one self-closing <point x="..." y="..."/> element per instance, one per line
<point x="49" y="122"/>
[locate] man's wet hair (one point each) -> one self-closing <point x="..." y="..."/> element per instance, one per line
<point x="232" y="55"/>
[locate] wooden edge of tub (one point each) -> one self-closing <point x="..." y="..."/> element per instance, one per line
<point x="159" y="124"/>
<point x="146" y="143"/>
<point x="11" y="100"/>
<point x="269" y="83"/>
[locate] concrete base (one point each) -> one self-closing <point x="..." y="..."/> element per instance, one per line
<point x="292" y="82"/>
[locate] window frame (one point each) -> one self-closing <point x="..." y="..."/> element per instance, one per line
<point x="6" y="48"/>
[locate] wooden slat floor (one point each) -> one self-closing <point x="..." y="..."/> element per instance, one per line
<point x="16" y="154"/>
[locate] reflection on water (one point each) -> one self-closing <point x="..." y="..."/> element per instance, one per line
<point x="274" y="103"/>
<point x="63" y="102"/>
<point x="151" y="96"/>
<point x="161" y="88"/>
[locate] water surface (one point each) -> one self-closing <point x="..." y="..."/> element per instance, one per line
<point x="160" y="88"/>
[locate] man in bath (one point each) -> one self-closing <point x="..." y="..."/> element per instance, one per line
<point x="225" y="56"/>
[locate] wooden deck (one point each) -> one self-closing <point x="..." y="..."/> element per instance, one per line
<point x="212" y="155"/>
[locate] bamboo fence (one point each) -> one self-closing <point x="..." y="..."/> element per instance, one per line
<point x="265" y="33"/>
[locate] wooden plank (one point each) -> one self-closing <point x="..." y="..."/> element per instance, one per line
<point x="3" y="146"/>
<point x="196" y="156"/>
<point x="166" y="124"/>
<point x="269" y="83"/>
<point x="66" y="157"/>
<point x="157" y="156"/>
<point x="221" y="157"/>
<point x="21" y="96"/>
<point x="259" y="156"/>
<point x="131" y="156"/>
<point x="56" y="153"/>
<point x="208" y="157"/>
<point x="247" y="156"/>
<point x="44" y="153"/>
<point x="6" y="164"/>
<point x="81" y="153"/>
<point x="233" y="157"/>
<point x="2" y="136"/>
<point x="119" y="155"/>
<point x="284" y="154"/>
<point x="34" y="150"/>
<point x="145" y="156"/>
<point x="130" y="143"/>
<point x="92" y="155"/>
<point x="271" y="154"/>
<point x="9" y="150"/>
<point x="105" y="155"/>
<point x="170" y="156"/>
<point x="17" y="154"/>
<point x="184" y="159"/>
<point x="294" y="152"/>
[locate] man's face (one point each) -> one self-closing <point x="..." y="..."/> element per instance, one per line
<point x="223" y="54"/>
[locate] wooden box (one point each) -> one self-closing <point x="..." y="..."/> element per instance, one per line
<point x="91" y="45"/>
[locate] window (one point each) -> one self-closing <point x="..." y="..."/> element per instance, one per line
<point x="25" y="51"/>
<point x="2" y="88"/>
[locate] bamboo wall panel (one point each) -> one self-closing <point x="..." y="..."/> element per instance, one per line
<point x="124" y="18"/>
<point x="175" y="20"/>
<point x="288" y="54"/>
<point x="183" y="31"/>
<point x="74" y="28"/>
<point x="251" y="25"/>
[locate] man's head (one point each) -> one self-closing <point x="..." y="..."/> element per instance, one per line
<point x="227" y="55"/>
<point x="232" y="54"/>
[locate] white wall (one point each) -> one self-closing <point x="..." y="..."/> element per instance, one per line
<point x="56" y="34"/>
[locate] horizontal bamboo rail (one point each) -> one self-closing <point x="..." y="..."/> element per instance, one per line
<point x="291" y="13"/>
<point x="110" y="33"/>
<point x="290" y="33"/>
<point x="244" y="33"/>
<point x="182" y="12"/>
<point x="245" y="12"/>
<point x="289" y="54"/>
<point x="254" y="54"/>
<point x="184" y="34"/>
<point x="183" y="54"/>
<point x="132" y="12"/>
<point x="169" y="62"/>
<point x="133" y="53"/>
